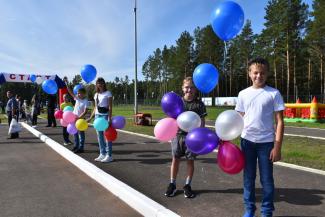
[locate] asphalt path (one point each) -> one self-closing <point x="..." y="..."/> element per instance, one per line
<point x="36" y="182"/>
<point x="144" y="164"/>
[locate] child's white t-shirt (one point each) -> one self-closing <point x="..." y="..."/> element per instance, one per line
<point x="102" y="100"/>
<point x="259" y="106"/>
<point x="80" y="106"/>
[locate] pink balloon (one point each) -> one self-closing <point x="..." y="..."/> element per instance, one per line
<point x="69" y="117"/>
<point x="63" y="123"/>
<point x="230" y="158"/>
<point x="58" y="114"/>
<point x="166" y="129"/>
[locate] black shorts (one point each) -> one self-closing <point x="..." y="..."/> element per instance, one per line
<point x="179" y="148"/>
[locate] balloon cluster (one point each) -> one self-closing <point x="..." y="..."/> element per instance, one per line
<point x="69" y="120"/>
<point x="101" y="124"/>
<point x="199" y="140"/>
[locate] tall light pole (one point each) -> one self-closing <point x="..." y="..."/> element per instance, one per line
<point x="136" y="59"/>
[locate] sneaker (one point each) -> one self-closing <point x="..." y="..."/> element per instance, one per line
<point x="100" y="157"/>
<point x="65" y="143"/>
<point x="188" y="193"/>
<point x="171" y="190"/>
<point x="107" y="159"/>
<point x="70" y="143"/>
<point x="79" y="150"/>
<point x="34" y="126"/>
<point x="74" y="149"/>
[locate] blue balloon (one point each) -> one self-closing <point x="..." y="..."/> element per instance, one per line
<point x="76" y="88"/>
<point x="227" y="20"/>
<point x="205" y="77"/>
<point x="88" y="73"/>
<point x="32" y="78"/>
<point x="100" y="124"/>
<point x="50" y="87"/>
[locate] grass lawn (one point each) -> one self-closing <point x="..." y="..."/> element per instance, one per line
<point x="213" y="112"/>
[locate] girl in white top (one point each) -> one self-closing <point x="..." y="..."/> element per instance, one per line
<point x="103" y="108"/>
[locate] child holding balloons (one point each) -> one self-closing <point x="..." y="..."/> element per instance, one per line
<point x="179" y="149"/>
<point x="65" y="103"/>
<point x="259" y="105"/>
<point x="80" y="110"/>
<point x="103" y="110"/>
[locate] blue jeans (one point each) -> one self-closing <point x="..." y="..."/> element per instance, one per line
<point x="105" y="147"/>
<point x="261" y="151"/>
<point x="79" y="139"/>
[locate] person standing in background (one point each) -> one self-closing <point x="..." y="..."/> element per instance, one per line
<point x="51" y="105"/>
<point x="12" y="112"/>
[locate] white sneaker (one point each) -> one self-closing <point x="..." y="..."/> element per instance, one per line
<point x="65" y="144"/>
<point x="107" y="159"/>
<point x="34" y="126"/>
<point x="100" y="157"/>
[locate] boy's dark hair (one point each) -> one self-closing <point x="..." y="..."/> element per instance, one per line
<point x="82" y="90"/>
<point x="261" y="61"/>
<point x="100" y="80"/>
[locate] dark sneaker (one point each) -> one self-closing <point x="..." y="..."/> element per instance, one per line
<point x="188" y="193"/>
<point x="74" y="148"/>
<point x="79" y="150"/>
<point x="171" y="190"/>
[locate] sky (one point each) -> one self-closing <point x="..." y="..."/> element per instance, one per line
<point x="60" y="37"/>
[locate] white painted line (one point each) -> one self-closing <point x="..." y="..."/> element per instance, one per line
<point x="135" y="199"/>
<point x="287" y="134"/>
<point x="315" y="128"/>
<point x="307" y="169"/>
<point x="137" y="134"/>
<point x="292" y="166"/>
<point x="310" y="137"/>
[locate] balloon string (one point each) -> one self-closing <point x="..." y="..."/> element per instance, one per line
<point x="225" y="53"/>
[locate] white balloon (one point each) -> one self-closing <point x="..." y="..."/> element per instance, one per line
<point x="39" y="80"/>
<point x="229" y="125"/>
<point x="188" y="121"/>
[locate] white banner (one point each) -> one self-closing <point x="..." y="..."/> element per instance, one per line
<point x="232" y="101"/>
<point x="12" y="77"/>
<point x="207" y="101"/>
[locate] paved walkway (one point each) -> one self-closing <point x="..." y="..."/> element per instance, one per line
<point x="36" y="182"/>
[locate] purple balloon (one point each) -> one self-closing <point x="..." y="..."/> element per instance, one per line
<point x="172" y="104"/>
<point x="71" y="128"/>
<point x="201" y="140"/>
<point x="118" y="122"/>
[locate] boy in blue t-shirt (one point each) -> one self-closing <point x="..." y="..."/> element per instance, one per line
<point x="259" y="105"/>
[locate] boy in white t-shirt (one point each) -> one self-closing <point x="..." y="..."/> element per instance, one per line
<point x="259" y="105"/>
<point x="80" y="110"/>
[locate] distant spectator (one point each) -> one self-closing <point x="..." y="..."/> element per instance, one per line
<point x="51" y="105"/>
<point x="12" y="112"/>
<point x="35" y="109"/>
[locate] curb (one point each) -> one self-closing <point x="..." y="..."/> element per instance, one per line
<point x="135" y="199"/>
